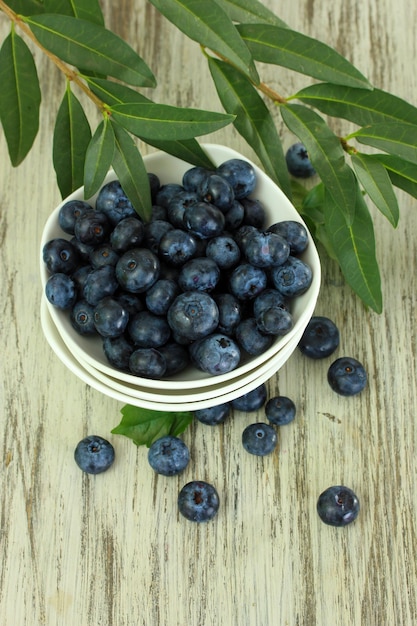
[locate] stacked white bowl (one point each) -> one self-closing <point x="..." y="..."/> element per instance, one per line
<point x="191" y="389"/>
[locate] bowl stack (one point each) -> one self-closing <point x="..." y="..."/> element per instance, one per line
<point x="191" y="389"/>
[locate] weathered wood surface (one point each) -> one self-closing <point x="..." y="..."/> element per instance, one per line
<point x="112" y="550"/>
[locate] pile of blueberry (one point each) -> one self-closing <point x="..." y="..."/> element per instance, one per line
<point x="205" y="282"/>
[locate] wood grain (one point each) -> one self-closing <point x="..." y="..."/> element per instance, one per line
<point x="112" y="550"/>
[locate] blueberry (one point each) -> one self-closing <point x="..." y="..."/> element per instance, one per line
<point x="154" y="184"/>
<point x="118" y="351"/>
<point x="320" y="338"/>
<point x="193" y="314"/>
<point x="176" y="247"/>
<point x="69" y="212"/>
<point x="199" y="274"/>
<point x="240" y="174"/>
<point x="60" y="255"/>
<point x="252" y="400"/>
<point x="92" y="228"/>
<point x="338" y="506"/>
<point x="215" y="354"/>
<point x="166" y="193"/>
<point x="161" y="295"/>
<point x="347" y="376"/>
<point x="60" y="291"/>
<point x="247" y="281"/>
<point x="259" y="439"/>
<point x="103" y="255"/>
<point x="198" y="501"/>
<point x="204" y="220"/>
<point x="100" y="283"/>
<point x="168" y="455"/>
<point x="84" y="250"/>
<point x="147" y="330"/>
<point x="82" y="318"/>
<point x="224" y="251"/>
<point x="214" y="415"/>
<point x="110" y="317"/>
<point x="216" y="190"/>
<point x="269" y="298"/>
<point x="280" y="410"/>
<point x="113" y="201"/>
<point x="230" y="312"/>
<point x="154" y="231"/>
<point x="298" y="161"/>
<point x="251" y="339"/>
<point x="132" y="302"/>
<point x="176" y="357"/>
<point x="80" y="276"/>
<point x="193" y="178"/>
<point x="147" y="363"/>
<point x="293" y="277"/>
<point x="274" y="321"/>
<point x="293" y="232"/>
<point x="128" y="233"/>
<point x="137" y="270"/>
<point x="177" y="206"/>
<point x="266" y="249"/>
<point x="233" y="217"/>
<point x="94" y="455"/>
<point x="254" y="212"/>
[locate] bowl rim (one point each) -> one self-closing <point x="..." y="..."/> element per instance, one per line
<point x="218" y="154"/>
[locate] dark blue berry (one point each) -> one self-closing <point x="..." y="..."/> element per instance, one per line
<point x="193" y="178"/>
<point x="128" y="233"/>
<point x="92" y="228"/>
<point x="137" y="270"/>
<point x="82" y="318"/>
<point x="298" y="161"/>
<point x="251" y="339"/>
<point x="118" y="351"/>
<point x="166" y="192"/>
<point x="161" y="295"/>
<point x="60" y="291"/>
<point x="230" y="312"/>
<point x="110" y="317"/>
<point x="199" y="274"/>
<point x="214" y="415"/>
<point x="94" y="455"/>
<point x="113" y="201"/>
<point x="247" y="281"/>
<point x="154" y="231"/>
<point x="147" y="363"/>
<point x="176" y="357"/>
<point x="100" y="283"/>
<point x="293" y="277"/>
<point x="347" y="376"/>
<point x="224" y="251"/>
<point x="338" y="506"/>
<point x="198" y="501"/>
<point x="216" y="354"/>
<point x="176" y="247"/>
<point x="293" y="232"/>
<point x="193" y="314"/>
<point x="274" y="321"/>
<point x="259" y="439"/>
<point x="240" y="174"/>
<point x="280" y="410"/>
<point x="168" y="455"/>
<point x="218" y="191"/>
<point x="147" y="330"/>
<point x="266" y="249"/>
<point x="60" y="255"/>
<point x="252" y="400"/>
<point x="177" y="206"/>
<point x="204" y="220"/>
<point x="254" y="212"/>
<point x="320" y="338"/>
<point x="69" y="212"/>
<point x="103" y="255"/>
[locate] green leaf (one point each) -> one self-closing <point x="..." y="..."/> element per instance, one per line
<point x="403" y="174"/>
<point x="144" y="426"/>
<point x="188" y="150"/>
<point x="91" y="47"/>
<point x="21" y="97"/>
<point x="98" y="158"/>
<point x="326" y="154"/>
<point x="207" y="23"/>
<point x="131" y="172"/>
<point x="161" y="122"/>
<point x="26" y="7"/>
<point x="72" y="135"/>
<point x="249" y="12"/>
<point x="253" y="120"/>
<point x="360" y="106"/>
<point x="354" y="247"/>
<point x="282" y="46"/>
<point x="375" y="180"/>
<point x="395" y="138"/>
<point x="85" y="9"/>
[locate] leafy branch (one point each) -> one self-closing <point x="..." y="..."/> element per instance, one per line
<point x="235" y="36"/>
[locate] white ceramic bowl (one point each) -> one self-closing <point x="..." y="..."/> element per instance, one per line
<point x="89" y="350"/>
<point x="147" y="399"/>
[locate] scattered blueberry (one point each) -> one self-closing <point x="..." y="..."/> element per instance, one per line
<point x="298" y="161"/>
<point x="198" y="501"/>
<point x="168" y="455"/>
<point x="320" y="338"/>
<point x="347" y="376"/>
<point x="259" y="439"/>
<point x="338" y="506"/>
<point x="94" y="455"/>
<point x="280" y="410"/>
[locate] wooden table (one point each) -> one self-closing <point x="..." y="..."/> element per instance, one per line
<point x="112" y="550"/>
